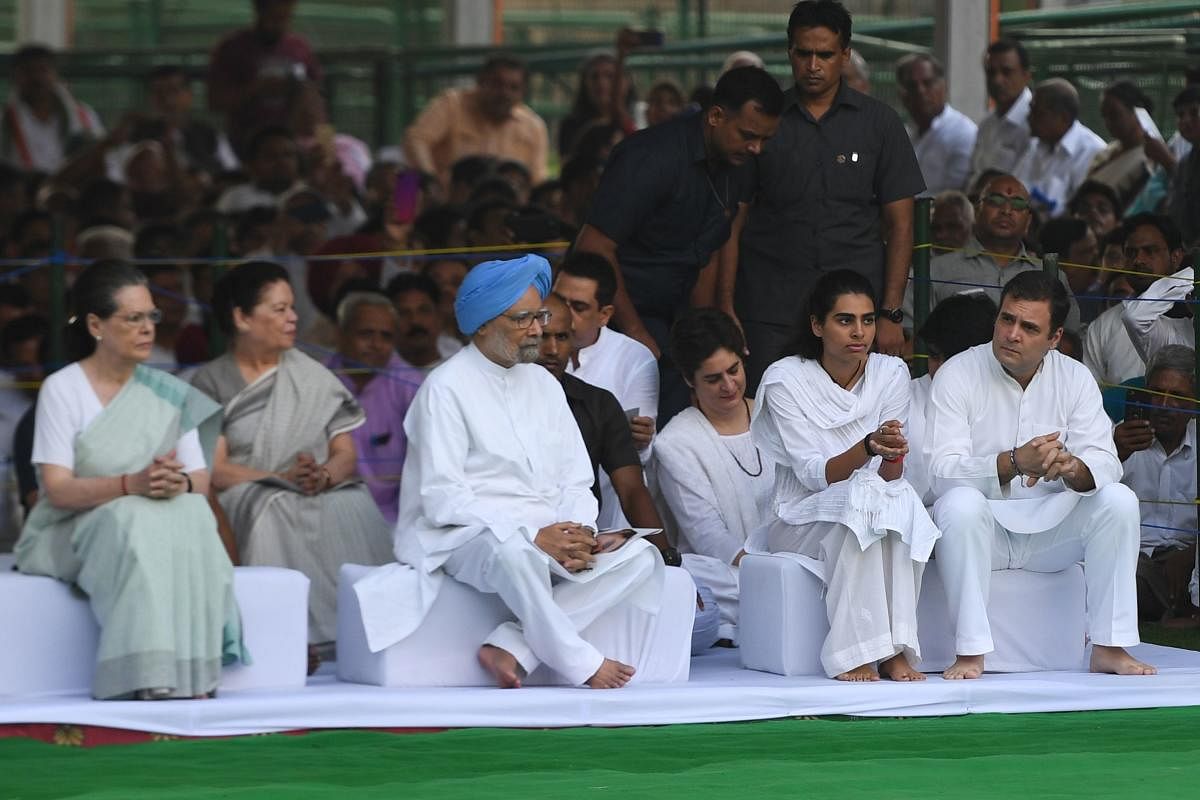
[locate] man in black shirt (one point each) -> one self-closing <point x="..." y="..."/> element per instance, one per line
<point x="833" y="190"/>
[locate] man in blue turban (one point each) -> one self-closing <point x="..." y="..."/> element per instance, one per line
<point x="497" y="494"/>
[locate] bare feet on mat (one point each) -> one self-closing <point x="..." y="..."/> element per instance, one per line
<point x="503" y="665"/>
<point x="314" y="660"/>
<point x="859" y="674"/>
<point x="611" y="675"/>
<point x="1116" y="661"/>
<point x="898" y="669"/>
<point x="964" y="667"/>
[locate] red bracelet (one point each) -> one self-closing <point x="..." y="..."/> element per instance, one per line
<point x="124" y="491"/>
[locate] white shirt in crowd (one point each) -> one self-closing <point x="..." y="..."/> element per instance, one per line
<point x="626" y="368"/>
<point x="1108" y="351"/>
<point x="1052" y="174"/>
<point x="46" y="141"/>
<point x="1145" y="321"/>
<point x="944" y="151"/>
<point x="1155" y="474"/>
<point x="916" y="472"/>
<point x="67" y="404"/>
<point x="1002" y="139"/>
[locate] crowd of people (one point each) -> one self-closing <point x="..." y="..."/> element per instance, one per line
<point x="392" y="372"/>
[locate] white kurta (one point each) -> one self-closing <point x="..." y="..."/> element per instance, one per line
<point x="1154" y="474"/>
<point x="494" y="455"/>
<point x="873" y="577"/>
<point x="1108" y="351"/>
<point x="1144" y="317"/>
<point x="626" y="368"/>
<point x="977" y="411"/>
<point x="1052" y="173"/>
<point x="714" y="504"/>
<point x="1002" y="138"/>
<point x="916" y="471"/>
<point x="944" y="151"/>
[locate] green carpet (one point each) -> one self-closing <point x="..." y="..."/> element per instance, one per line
<point x="1120" y="754"/>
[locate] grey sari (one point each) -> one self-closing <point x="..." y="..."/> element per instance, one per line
<point x="297" y="407"/>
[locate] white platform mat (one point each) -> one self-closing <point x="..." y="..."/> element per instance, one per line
<point x="719" y="691"/>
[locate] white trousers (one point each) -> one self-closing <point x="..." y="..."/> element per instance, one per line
<point x="722" y="580"/>
<point x="550" y="613"/>
<point x="870" y="595"/>
<point x="1102" y="531"/>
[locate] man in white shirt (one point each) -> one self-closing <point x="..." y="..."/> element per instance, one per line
<point x="1022" y="461"/>
<point x="1003" y="135"/>
<point x="1158" y="448"/>
<point x="42" y="121"/>
<point x="1152" y="247"/>
<point x="1151" y="318"/>
<point x="625" y="367"/>
<point x="1056" y="161"/>
<point x="943" y="137"/>
<point x="497" y="495"/>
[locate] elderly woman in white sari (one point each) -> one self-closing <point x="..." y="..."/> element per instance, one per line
<point x="832" y="419"/>
<point x="714" y="480"/>
<point x="285" y="461"/>
<point x="122" y="452"/>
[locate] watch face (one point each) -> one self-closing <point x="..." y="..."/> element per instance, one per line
<point x="893" y="314"/>
<point x="671" y="557"/>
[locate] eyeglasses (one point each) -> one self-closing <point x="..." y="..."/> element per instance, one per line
<point x="139" y="318"/>
<point x="999" y="200"/>
<point x="524" y="319"/>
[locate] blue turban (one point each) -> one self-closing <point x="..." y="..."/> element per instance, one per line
<point x="493" y="286"/>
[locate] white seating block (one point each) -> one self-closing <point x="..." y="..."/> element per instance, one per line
<point x="442" y="651"/>
<point x="1038" y="619"/>
<point x="51" y="637"/>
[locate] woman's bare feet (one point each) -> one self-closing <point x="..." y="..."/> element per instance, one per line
<point x="964" y="668"/>
<point x="1116" y="661"/>
<point x="503" y="665"/>
<point x="898" y="669"/>
<point x="611" y="675"/>
<point x="859" y="674"/>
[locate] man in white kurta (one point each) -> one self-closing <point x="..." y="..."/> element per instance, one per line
<point x="1003" y="134"/>
<point x="1022" y="461"/>
<point x="497" y="495"/>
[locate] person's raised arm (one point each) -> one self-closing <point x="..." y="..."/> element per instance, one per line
<point x="727" y="264"/>
<point x="1141" y="316"/>
<point x="897" y="219"/>
<point x="625" y="315"/>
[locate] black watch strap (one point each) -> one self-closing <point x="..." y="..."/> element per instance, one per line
<point x="896" y="315"/>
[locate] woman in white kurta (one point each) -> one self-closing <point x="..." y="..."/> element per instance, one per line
<point x="714" y="480"/>
<point x="832" y="419"/>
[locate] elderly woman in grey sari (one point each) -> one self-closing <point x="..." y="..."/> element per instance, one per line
<point x="122" y="452"/>
<point x="285" y="462"/>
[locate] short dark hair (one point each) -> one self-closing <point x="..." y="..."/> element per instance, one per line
<point x="512" y="165"/>
<point x="434" y="225"/>
<point x="749" y="84"/>
<point x="593" y="266"/>
<point x="166" y="71"/>
<point x="821" y="301"/>
<point x="959" y="322"/>
<point x="700" y="332"/>
<point x="32" y="52"/>
<point x="242" y="287"/>
<point x="578" y="168"/>
<point x="413" y="282"/>
<point x="820" y="14"/>
<point x="504" y="61"/>
<point x="471" y="169"/>
<point x="1094" y="187"/>
<point x="261" y="136"/>
<point x="149" y="241"/>
<point x="95" y="292"/>
<point x="15" y="295"/>
<point x="1035" y="286"/>
<point x="479" y="212"/>
<point x="1058" y="234"/>
<point x="906" y="63"/>
<point x="1129" y="95"/>
<point x="1165" y="225"/>
<point x="22" y="329"/>
<point x="1010" y="46"/>
<point x="1189" y="96"/>
<point x="494" y="188"/>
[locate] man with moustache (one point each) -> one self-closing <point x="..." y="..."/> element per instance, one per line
<point x="833" y="189"/>
<point x="420" y="340"/>
<point x="497" y="494"/>
<point x="1152" y="319"/>
<point x="942" y="136"/>
<point x="1003" y="135"/>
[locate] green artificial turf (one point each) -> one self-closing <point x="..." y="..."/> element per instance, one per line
<point x="1101" y="754"/>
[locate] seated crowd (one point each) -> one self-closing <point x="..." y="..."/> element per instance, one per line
<point x="392" y="372"/>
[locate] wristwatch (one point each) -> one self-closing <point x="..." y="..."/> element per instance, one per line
<point x="671" y="557"/>
<point x="896" y="315"/>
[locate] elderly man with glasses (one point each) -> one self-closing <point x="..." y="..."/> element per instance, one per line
<point x="497" y="494"/>
<point x="994" y="253"/>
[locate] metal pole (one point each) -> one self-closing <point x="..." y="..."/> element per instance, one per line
<point x="1196" y="344"/>
<point x="921" y="257"/>
<point x="58" y="291"/>
<point x="1050" y="265"/>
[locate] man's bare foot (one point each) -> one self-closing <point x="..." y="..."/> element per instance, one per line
<point x="859" y="674"/>
<point x="1115" y="661"/>
<point x="898" y="669"/>
<point x="964" y="668"/>
<point x="503" y="665"/>
<point x="611" y="675"/>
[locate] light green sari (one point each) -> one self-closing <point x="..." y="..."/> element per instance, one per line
<point x="155" y="571"/>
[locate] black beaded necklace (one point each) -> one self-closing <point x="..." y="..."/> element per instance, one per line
<point x="757" y="452"/>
